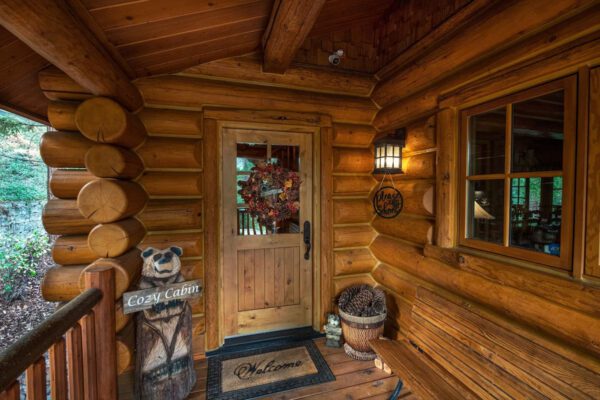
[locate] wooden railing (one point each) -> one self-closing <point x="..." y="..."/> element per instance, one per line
<point x="80" y="341"/>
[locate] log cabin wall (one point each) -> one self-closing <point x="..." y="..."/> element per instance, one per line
<point x="557" y="309"/>
<point x="164" y="169"/>
<point x="171" y="165"/>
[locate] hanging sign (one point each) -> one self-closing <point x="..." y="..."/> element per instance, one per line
<point x="388" y="202"/>
<point x="143" y="299"/>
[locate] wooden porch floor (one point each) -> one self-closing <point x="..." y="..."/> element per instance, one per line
<point x="354" y="380"/>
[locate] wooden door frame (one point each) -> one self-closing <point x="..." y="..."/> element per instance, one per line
<point x="320" y="126"/>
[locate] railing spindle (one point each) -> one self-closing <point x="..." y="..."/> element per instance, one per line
<point x="75" y="363"/>
<point x="36" y="380"/>
<point x="89" y="357"/>
<point x="12" y="393"/>
<point x="58" y="370"/>
<point x="103" y="278"/>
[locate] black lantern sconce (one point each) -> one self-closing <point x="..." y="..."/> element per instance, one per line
<point x="387" y="200"/>
<point x="388" y="153"/>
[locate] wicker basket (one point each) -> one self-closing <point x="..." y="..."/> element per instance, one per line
<point x="359" y="330"/>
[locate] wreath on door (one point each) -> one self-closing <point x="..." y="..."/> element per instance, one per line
<point x="272" y="194"/>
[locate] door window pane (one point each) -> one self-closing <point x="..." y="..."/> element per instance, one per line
<point x="485" y="210"/>
<point x="288" y="157"/>
<point x="250" y="155"/>
<point x="537" y="135"/>
<point x="536" y="212"/>
<point x="487" y="137"/>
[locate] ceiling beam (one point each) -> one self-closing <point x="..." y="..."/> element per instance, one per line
<point x="291" y="22"/>
<point x="49" y="28"/>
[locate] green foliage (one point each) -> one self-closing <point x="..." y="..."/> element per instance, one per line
<point x="19" y="259"/>
<point x="23" y="172"/>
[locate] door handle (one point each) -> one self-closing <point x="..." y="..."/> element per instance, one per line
<point x="307" y="240"/>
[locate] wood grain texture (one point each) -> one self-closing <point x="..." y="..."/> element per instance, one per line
<point x="110" y="200"/>
<point x="180" y="91"/>
<point x="352" y="211"/>
<point x="290" y="24"/>
<point x="72" y="250"/>
<point x="350" y="160"/>
<point x="301" y="76"/>
<point x="498" y="26"/>
<point x="64" y="149"/>
<point x="105" y="121"/>
<point x="108" y="161"/>
<point x="211" y="240"/>
<point x="353" y="261"/>
<point x="171" y="153"/>
<point x="114" y="239"/>
<point x="353" y="236"/>
<point x="170" y="215"/>
<point x="50" y="29"/>
<point x="172" y="184"/>
<point x="592" y="257"/>
<point x="62" y="217"/>
<point x="191" y="243"/>
<point x="66" y="183"/>
<point x="566" y="323"/>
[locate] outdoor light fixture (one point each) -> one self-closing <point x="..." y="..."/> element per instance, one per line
<point x="388" y="153"/>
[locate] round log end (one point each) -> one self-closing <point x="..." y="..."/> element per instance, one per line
<point x="108" y="161"/>
<point x="109" y="200"/>
<point x="105" y="121"/>
<point x="61" y="283"/>
<point x="112" y="240"/>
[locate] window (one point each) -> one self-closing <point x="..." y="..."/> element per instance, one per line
<point x="517" y="164"/>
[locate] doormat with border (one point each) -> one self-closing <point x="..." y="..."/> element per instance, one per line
<point x="266" y="370"/>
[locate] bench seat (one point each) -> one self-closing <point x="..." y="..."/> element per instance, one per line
<point x="454" y="351"/>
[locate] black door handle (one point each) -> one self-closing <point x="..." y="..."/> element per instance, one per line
<point x="307" y="240"/>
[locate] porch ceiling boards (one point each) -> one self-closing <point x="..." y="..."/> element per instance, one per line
<point x="19" y="88"/>
<point x="153" y="37"/>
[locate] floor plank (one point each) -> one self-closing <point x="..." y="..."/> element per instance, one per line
<point x="355" y="380"/>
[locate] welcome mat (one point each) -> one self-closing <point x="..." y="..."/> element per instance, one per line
<point x="258" y="372"/>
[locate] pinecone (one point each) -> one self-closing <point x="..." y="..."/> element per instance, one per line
<point x="348" y="294"/>
<point x="359" y="302"/>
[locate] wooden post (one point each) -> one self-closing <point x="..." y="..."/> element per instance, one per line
<point x="75" y="362"/>
<point x="36" y="380"/>
<point x="88" y="331"/>
<point x="103" y="278"/>
<point x="58" y="370"/>
<point x="12" y="393"/>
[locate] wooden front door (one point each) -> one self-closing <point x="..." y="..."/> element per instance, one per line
<point x="267" y="281"/>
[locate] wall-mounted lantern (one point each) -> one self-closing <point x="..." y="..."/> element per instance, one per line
<point x="387" y="200"/>
<point x="388" y="153"/>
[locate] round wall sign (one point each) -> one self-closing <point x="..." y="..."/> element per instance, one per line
<point x="388" y="202"/>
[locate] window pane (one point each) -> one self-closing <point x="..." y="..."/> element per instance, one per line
<point x="487" y="137"/>
<point x="535" y="218"/>
<point x="485" y="210"/>
<point x="537" y="134"/>
<point x="249" y="155"/>
<point x="287" y="157"/>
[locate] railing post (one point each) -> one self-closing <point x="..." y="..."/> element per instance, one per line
<point x="103" y="278"/>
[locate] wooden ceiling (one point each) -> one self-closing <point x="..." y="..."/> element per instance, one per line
<point x="151" y="37"/>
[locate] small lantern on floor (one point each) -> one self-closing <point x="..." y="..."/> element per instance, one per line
<point x="388" y="153"/>
<point x="387" y="200"/>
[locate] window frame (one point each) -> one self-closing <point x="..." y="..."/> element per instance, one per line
<point x="564" y="261"/>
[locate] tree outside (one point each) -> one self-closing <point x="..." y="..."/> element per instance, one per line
<point x="24" y="245"/>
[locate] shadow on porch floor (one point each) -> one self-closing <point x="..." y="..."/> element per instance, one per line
<point x="354" y="380"/>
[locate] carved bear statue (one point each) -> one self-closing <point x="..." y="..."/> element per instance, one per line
<point x="165" y="365"/>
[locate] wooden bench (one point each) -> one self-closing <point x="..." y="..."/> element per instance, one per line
<point x="452" y="351"/>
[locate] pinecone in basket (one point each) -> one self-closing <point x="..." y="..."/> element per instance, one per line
<point x="360" y="302"/>
<point x="348" y="294"/>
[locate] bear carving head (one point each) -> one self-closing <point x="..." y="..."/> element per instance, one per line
<point x="161" y="264"/>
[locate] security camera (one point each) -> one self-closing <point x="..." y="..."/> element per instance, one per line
<point x="336" y="57"/>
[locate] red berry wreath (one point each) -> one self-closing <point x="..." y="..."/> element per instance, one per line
<point x="272" y="194"/>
